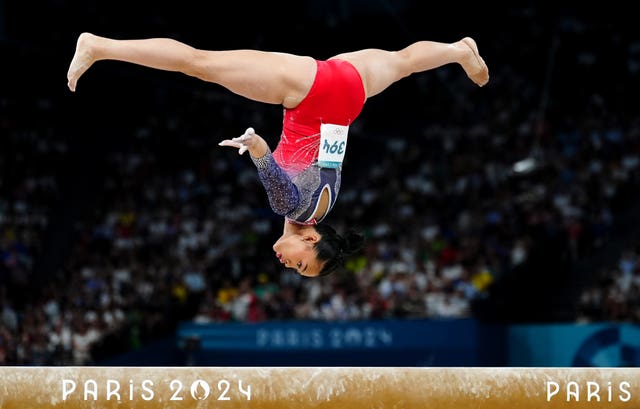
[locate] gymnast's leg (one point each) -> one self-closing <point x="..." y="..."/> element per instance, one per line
<point x="380" y="68"/>
<point x="270" y="77"/>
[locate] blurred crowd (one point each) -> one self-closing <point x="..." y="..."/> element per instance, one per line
<point x="451" y="201"/>
<point x="614" y="292"/>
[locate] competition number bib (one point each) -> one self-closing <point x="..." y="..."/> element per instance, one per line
<point x="333" y="145"/>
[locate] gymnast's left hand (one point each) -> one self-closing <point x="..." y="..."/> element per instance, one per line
<point x="244" y="142"/>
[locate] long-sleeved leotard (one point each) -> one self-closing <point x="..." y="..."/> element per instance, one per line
<point x="291" y="175"/>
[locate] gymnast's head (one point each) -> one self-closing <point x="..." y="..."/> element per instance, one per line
<point x="316" y="250"/>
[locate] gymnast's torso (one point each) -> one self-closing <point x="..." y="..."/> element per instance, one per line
<point x="300" y="187"/>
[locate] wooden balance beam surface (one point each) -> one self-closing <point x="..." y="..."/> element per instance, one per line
<point x="318" y="388"/>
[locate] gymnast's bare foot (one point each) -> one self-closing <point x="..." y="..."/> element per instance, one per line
<point x="82" y="59"/>
<point x="473" y="64"/>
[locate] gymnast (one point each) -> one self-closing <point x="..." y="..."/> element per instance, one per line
<point x="320" y="98"/>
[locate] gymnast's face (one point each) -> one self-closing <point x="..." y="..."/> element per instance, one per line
<point x="297" y="251"/>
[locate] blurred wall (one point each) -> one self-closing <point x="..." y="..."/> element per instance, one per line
<point x="411" y="343"/>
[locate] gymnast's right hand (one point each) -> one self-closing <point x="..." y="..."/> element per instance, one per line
<point x="244" y="142"/>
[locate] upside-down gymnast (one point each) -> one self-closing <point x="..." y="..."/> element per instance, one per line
<point x="321" y="98"/>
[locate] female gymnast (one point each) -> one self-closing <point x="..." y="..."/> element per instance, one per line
<point x="321" y="98"/>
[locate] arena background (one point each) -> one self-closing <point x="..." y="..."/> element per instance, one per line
<point x="502" y="218"/>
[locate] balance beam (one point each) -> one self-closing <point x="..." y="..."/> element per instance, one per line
<point x="318" y="388"/>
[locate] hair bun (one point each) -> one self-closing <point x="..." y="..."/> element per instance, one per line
<point x="352" y="242"/>
<point x="333" y="248"/>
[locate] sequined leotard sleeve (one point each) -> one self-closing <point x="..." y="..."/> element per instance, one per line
<point x="282" y="193"/>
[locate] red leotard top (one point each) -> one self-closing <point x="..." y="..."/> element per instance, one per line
<point x="336" y="97"/>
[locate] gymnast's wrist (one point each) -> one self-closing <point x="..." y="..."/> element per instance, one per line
<point x="263" y="161"/>
<point x="259" y="149"/>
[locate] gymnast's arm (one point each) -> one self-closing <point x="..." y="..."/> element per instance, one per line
<point x="282" y="193"/>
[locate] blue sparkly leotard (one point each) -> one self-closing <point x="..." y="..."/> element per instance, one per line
<point x="290" y="175"/>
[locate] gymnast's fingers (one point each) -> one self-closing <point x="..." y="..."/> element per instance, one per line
<point x="231" y="143"/>
<point x="234" y="144"/>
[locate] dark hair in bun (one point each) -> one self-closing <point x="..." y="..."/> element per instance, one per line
<point x="334" y="248"/>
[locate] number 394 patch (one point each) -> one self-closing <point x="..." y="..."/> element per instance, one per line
<point x="333" y="145"/>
